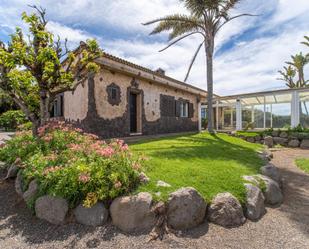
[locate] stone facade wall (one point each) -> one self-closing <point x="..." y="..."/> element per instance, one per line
<point x="90" y="106"/>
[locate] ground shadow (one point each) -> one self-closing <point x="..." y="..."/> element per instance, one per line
<point x="296" y="198"/>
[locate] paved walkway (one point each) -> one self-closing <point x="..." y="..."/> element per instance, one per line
<point x="285" y="227"/>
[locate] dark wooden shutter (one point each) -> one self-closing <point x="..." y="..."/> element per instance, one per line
<point x="167" y="106"/>
<point x="177" y="108"/>
<point x="190" y="110"/>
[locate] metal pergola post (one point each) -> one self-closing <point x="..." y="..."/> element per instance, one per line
<point x="238" y="115"/>
<point x="199" y="107"/>
<point x="295" y="110"/>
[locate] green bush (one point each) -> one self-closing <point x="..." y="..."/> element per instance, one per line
<point x="78" y="167"/>
<point x="10" y="120"/>
<point x="25" y="127"/>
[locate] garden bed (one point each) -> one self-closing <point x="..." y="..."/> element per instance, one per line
<point x="67" y="175"/>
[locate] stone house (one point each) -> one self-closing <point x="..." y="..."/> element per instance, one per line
<point x="125" y="99"/>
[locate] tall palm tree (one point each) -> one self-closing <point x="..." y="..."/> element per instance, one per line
<point x="206" y="18"/>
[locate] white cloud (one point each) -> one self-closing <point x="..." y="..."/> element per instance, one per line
<point x="74" y="36"/>
<point x="251" y="65"/>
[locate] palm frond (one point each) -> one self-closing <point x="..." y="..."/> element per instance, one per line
<point x="306" y="42"/>
<point x="193" y="60"/>
<point x="177" y="24"/>
<point x="178" y="40"/>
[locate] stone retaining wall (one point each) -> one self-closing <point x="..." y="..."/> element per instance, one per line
<point x="283" y="138"/>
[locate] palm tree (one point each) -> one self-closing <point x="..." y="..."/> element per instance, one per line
<point x="288" y="75"/>
<point x="299" y="61"/>
<point x="206" y="18"/>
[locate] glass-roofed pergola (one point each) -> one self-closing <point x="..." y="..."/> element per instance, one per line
<point x="262" y="110"/>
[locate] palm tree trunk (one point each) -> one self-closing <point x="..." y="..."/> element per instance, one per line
<point x="209" y="47"/>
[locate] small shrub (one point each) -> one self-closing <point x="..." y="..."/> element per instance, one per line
<point x="76" y="166"/>
<point x="25" y="127"/>
<point x="10" y="120"/>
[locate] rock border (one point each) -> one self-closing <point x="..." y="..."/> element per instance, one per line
<point x="277" y="137"/>
<point x="185" y="208"/>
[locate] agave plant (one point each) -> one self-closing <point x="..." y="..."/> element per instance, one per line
<point x="205" y="18"/>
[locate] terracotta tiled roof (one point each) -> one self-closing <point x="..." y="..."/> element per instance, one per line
<point x="128" y="63"/>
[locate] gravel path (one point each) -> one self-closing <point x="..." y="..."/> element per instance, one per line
<point x="285" y="227"/>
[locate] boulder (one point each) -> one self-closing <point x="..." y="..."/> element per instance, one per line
<point x="255" y="207"/>
<point x="51" y="209"/>
<point x="269" y="141"/>
<point x="250" y="139"/>
<point x="284" y="134"/>
<point x="294" y="143"/>
<point x="272" y="172"/>
<point x="252" y="179"/>
<point x="163" y="184"/>
<point x="275" y="133"/>
<point x="94" y="216"/>
<point x="266" y="154"/>
<point x="31" y="191"/>
<point x="226" y="211"/>
<point x="12" y="171"/>
<point x="186" y="209"/>
<point x="272" y="192"/>
<point x="258" y="138"/>
<point x="133" y="213"/>
<point x="19" y="184"/>
<point x="143" y="178"/>
<point x="305" y="144"/>
<point x="281" y="141"/>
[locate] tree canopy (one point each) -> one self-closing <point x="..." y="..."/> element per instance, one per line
<point x="35" y="68"/>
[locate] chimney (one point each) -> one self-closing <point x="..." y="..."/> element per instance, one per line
<point x="160" y="71"/>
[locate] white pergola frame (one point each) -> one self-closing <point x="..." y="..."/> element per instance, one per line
<point x="237" y="101"/>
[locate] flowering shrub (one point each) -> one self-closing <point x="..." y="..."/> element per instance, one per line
<point x="74" y="165"/>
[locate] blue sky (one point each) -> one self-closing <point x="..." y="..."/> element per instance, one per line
<point x="249" y="51"/>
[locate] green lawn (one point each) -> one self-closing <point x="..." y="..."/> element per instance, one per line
<point x="211" y="164"/>
<point x="303" y="164"/>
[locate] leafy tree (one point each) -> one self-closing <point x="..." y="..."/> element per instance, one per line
<point x="35" y="70"/>
<point x="206" y="18"/>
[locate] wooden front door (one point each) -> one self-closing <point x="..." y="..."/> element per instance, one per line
<point x="133" y="113"/>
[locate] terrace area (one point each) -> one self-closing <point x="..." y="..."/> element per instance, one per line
<point x="263" y="110"/>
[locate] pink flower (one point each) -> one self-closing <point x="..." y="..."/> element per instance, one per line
<point x="47" y="138"/>
<point x="79" y="130"/>
<point x="136" y="166"/>
<point x="118" y="185"/>
<point x="106" y="152"/>
<point x="92" y="136"/>
<point x="75" y="147"/>
<point x="125" y="147"/>
<point x="51" y="170"/>
<point x="84" y="177"/>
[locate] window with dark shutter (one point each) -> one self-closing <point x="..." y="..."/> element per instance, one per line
<point x="113" y="94"/>
<point x="167" y="106"/>
<point x="178" y="108"/>
<point x="191" y="111"/>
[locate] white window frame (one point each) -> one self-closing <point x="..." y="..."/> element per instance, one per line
<point x="184" y="109"/>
